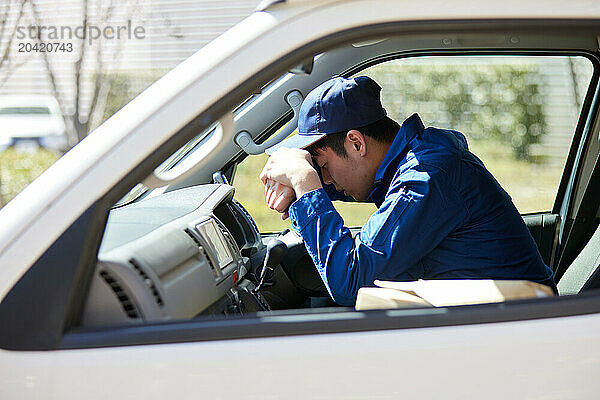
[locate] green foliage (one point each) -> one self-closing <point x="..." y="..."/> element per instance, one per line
<point x="18" y="168"/>
<point x="498" y="102"/>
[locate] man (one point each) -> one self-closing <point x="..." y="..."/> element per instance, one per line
<point x="441" y="214"/>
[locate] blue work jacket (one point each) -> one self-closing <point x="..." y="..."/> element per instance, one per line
<point x="441" y="215"/>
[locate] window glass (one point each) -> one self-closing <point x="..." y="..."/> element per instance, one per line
<point x="52" y="98"/>
<point x="518" y="113"/>
<point x="25" y="111"/>
<point x="250" y="191"/>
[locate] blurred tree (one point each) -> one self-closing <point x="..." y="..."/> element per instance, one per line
<point x="11" y="13"/>
<point x="499" y="102"/>
<point x="124" y="86"/>
<point x="89" y="53"/>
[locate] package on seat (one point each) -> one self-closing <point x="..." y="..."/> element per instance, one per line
<point x="440" y="293"/>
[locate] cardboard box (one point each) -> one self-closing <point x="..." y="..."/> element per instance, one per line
<point x="440" y="293"/>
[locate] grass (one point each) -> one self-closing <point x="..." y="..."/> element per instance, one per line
<point x="18" y="167"/>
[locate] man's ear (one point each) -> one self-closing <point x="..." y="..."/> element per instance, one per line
<point x="356" y="142"/>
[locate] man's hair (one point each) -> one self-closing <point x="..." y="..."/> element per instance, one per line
<point x="383" y="131"/>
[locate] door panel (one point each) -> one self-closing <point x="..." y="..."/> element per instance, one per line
<point x="485" y="361"/>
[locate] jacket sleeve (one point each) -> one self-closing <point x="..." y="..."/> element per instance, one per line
<point x="419" y="211"/>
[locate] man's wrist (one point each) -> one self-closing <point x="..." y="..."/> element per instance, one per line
<point x="309" y="183"/>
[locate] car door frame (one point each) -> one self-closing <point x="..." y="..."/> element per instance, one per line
<point x="52" y="325"/>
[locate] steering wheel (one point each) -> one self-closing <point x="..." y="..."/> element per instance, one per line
<point x="299" y="267"/>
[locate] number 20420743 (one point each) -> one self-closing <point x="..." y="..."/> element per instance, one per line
<point x="44" y="47"/>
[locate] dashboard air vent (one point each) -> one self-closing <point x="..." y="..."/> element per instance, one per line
<point x="157" y="297"/>
<point x="202" y="250"/>
<point x="208" y="260"/>
<point x="194" y="238"/>
<point x="128" y="306"/>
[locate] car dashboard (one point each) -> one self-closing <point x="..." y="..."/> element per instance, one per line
<point x="179" y="255"/>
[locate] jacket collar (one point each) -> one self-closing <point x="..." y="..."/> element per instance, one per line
<point x="409" y="129"/>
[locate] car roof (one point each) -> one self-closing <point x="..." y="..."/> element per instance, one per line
<point x="29" y="101"/>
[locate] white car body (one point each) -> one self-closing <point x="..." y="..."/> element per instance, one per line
<point x="32" y="118"/>
<point x="543" y="358"/>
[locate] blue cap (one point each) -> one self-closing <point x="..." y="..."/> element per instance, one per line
<point x="336" y="105"/>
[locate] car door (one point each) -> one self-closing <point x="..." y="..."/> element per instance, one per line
<point x="541" y="347"/>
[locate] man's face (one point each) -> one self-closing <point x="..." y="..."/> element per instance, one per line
<point x="350" y="175"/>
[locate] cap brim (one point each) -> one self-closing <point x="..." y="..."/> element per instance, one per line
<point x="295" y="142"/>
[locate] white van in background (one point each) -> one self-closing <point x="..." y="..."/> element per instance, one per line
<point x="31" y="119"/>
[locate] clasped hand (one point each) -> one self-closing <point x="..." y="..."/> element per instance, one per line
<point x="288" y="174"/>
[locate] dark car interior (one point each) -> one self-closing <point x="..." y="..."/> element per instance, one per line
<point x="158" y="262"/>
